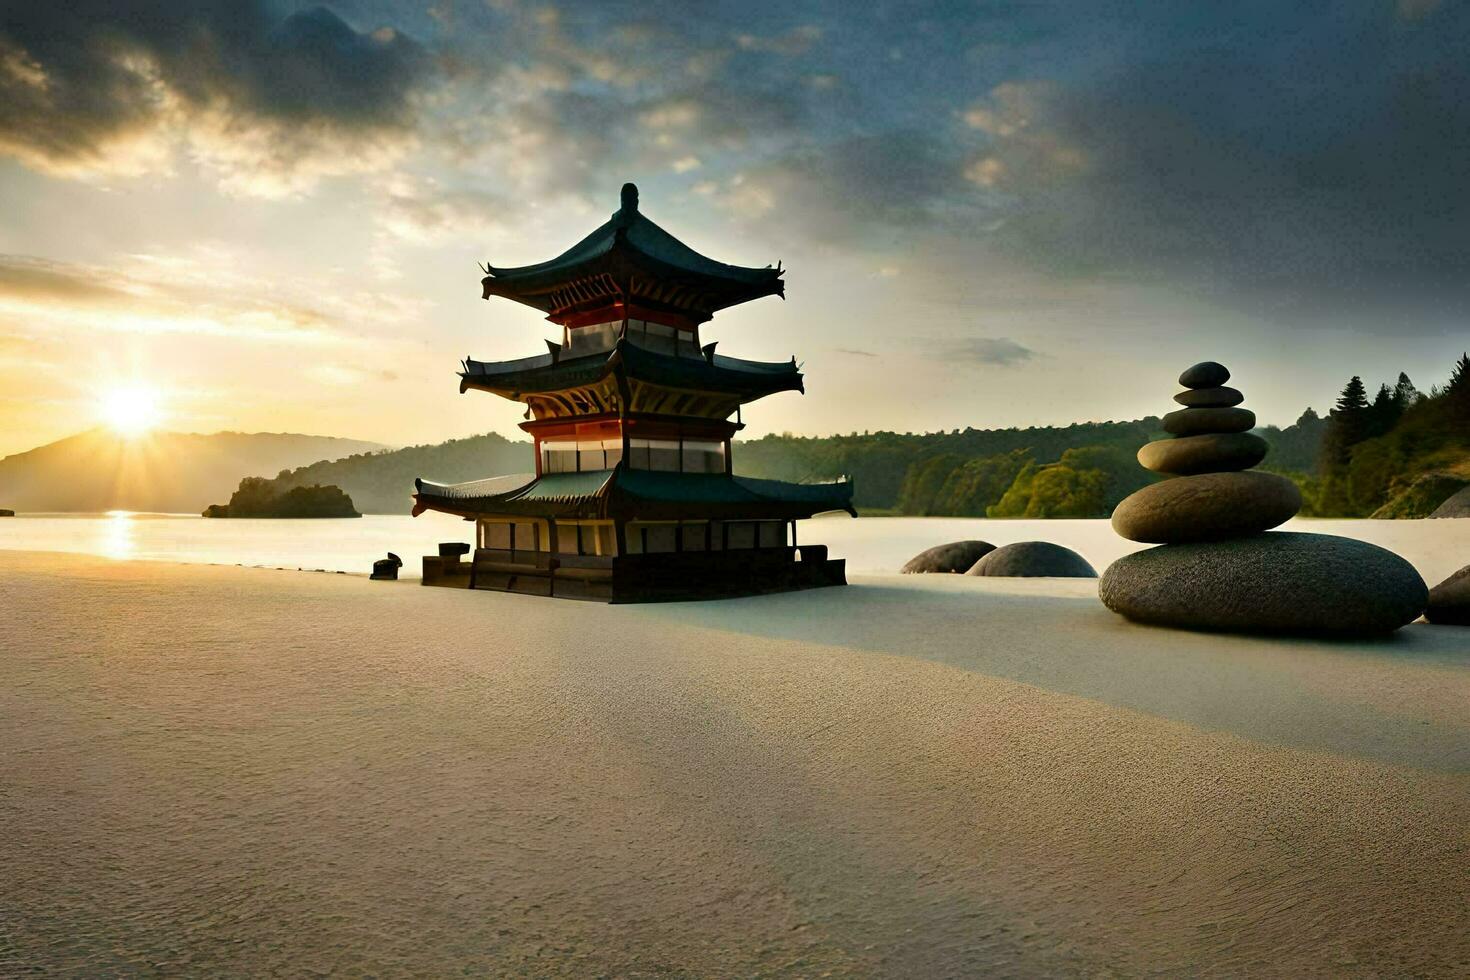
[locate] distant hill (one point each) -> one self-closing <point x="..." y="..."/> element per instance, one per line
<point x="173" y="472"/>
<point x="382" y="482"/>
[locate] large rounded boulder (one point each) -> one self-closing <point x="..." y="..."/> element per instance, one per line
<point x="1449" y="601"/>
<point x="1280" y="582"/>
<point x="1033" y="559"/>
<point x="954" y="558"/>
<point x="1457" y="506"/>
<point x="1207" y="507"/>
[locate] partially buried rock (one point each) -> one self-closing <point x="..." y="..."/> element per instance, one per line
<point x="1280" y="582"/>
<point x="1033" y="559"/>
<point x="957" y="557"/>
<point x="1194" y="421"/>
<point x="1207" y="507"/>
<point x="1209" y="397"/>
<point x="1216" y="452"/>
<point x="1449" y="601"/>
<point x="1206" y="374"/>
<point x="1456" y="506"/>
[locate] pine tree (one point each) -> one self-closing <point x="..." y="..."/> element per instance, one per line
<point x="1457" y="392"/>
<point x="1348" y="424"/>
<point x="1351" y="414"/>
<point x="1383" y="413"/>
<point x="1404" y="393"/>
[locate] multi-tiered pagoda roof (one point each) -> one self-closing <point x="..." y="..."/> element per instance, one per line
<point x="631" y="417"/>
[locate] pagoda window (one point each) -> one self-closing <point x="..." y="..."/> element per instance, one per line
<point x="664" y="339"/>
<point x="677" y="456"/>
<point x="559" y="457"/>
<point x="580" y="455"/>
<point x="693" y="536"/>
<point x="660" y="538"/>
<point x="703" y="457"/>
<point x="740" y="534"/>
<point x="771" y="534"/>
<point x="497" y="535"/>
<point x="592" y="339"/>
<point x="654" y="454"/>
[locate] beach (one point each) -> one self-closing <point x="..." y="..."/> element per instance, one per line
<point x="217" y="770"/>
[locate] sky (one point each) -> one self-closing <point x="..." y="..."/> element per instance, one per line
<point x="992" y="213"/>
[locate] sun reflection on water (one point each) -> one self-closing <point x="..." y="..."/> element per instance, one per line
<point x="117" y="534"/>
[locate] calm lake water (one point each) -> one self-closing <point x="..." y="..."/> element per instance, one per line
<point x="870" y="545"/>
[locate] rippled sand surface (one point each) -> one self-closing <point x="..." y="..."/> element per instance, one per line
<point x="210" y="771"/>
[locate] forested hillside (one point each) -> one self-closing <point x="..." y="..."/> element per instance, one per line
<point x="1046" y="471"/>
<point x="1399" y="454"/>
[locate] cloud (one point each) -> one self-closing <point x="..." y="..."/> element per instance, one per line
<point x="1310" y="168"/>
<point x="157" y="297"/>
<point x="998" y="351"/>
<point x="854" y="352"/>
<point x="797" y="40"/>
<point x="117" y="86"/>
<point x="856" y="191"/>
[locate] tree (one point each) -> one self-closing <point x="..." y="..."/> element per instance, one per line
<point x="1384" y="411"/>
<point x="1404" y="393"/>
<point x="1348" y="424"/>
<point x="1457" y="393"/>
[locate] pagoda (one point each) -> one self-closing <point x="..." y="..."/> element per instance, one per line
<point x="633" y="498"/>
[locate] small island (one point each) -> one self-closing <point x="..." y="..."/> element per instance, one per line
<point x="6" y="513"/>
<point x="257" y="497"/>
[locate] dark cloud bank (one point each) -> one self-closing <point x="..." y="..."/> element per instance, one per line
<point x="77" y="76"/>
<point x="1306" y="158"/>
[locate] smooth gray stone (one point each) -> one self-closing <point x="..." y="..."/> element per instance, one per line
<point x="1207" y="507"/>
<point x="1221" y="397"/>
<point x="1280" y="582"/>
<point x="1457" y="506"/>
<point x="1449" y="601"/>
<point x="1033" y="559"/>
<point x="1199" y="421"/>
<point x="1215" y="452"/>
<point x="955" y="558"/>
<point x="1205" y="374"/>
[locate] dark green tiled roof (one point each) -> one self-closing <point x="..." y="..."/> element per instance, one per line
<point x="718" y="373"/>
<point x="641" y="494"/>
<point x="630" y="238"/>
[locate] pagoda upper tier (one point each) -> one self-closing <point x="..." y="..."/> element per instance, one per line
<point x="629" y="378"/>
<point x="630" y="260"/>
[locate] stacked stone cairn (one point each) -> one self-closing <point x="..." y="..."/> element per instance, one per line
<point x="1219" y="565"/>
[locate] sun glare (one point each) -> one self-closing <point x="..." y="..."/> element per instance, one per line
<point x="131" y="411"/>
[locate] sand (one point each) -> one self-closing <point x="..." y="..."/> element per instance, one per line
<point x="212" y="770"/>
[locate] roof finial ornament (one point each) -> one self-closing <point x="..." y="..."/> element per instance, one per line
<point x="630" y="196"/>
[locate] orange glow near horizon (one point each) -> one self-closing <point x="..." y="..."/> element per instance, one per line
<point x="132" y="410"/>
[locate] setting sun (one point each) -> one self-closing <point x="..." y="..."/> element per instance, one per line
<point x="132" y="410"/>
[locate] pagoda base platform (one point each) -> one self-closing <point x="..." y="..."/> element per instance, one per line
<point x="663" y="577"/>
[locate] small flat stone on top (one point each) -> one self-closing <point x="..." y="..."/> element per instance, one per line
<point x="1205" y="374"/>
<point x="1198" y="421"/>
<point x="1219" y="397"/>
